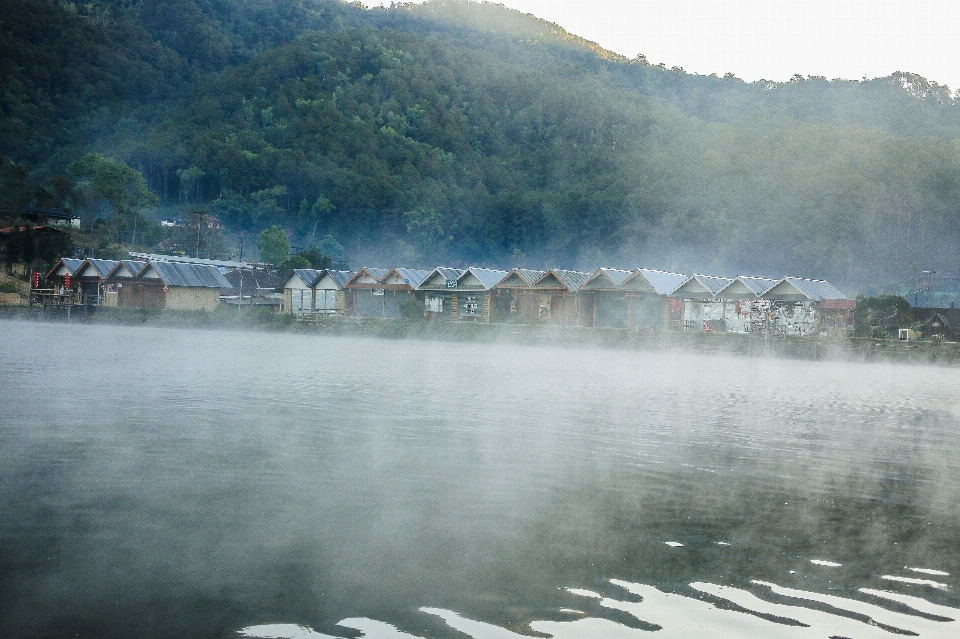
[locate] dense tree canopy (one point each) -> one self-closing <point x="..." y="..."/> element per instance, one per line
<point x="455" y="132"/>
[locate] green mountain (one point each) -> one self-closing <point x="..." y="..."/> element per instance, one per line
<point x="456" y="132"/>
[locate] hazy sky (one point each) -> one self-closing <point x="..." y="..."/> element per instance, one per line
<point x="770" y="39"/>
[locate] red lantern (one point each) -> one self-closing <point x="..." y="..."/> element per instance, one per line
<point x="36" y="279"/>
<point x="66" y="281"/>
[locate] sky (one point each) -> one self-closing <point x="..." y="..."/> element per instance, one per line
<point x="770" y="39"/>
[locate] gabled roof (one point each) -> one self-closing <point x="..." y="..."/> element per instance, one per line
<point x="480" y="278"/>
<point x="700" y="287"/>
<point x="745" y="287"/>
<point x="605" y="279"/>
<point x="99" y="269"/>
<point x="339" y="278"/>
<point x="306" y="276"/>
<point x="366" y="277"/>
<point x="560" y="279"/>
<point x="406" y="278"/>
<point x="520" y="278"/>
<point x="797" y="289"/>
<point x="438" y="278"/>
<point x="182" y="274"/>
<point x="127" y="268"/>
<point x="64" y="266"/>
<point x="659" y="282"/>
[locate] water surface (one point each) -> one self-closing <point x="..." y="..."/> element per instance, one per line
<point x="177" y="483"/>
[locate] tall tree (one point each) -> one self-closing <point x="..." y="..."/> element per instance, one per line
<point x="107" y="180"/>
<point x="273" y="245"/>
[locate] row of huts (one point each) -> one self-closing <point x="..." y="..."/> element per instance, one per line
<point x="605" y="298"/>
<point x="133" y="284"/>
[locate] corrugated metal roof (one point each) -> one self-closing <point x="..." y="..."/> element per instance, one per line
<point x="700" y="287"/>
<point x="663" y="282"/>
<point x="339" y="277"/>
<point x="571" y="280"/>
<point x="375" y="274"/>
<point x="432" y="281"/>
<point x="96" y="268"/>
<point x="133" y="266"/>
<point x="745" y="287"/>
<point x="606" y="278"/>
<point x="183" y="274"/>
<point x="488" y="278"/>
<point x="306" y="275"/>
<point x="69" y="264"/>
<point x="520" y="278"/>
<point x="409" y="276"/>
<point x="158" y="257"/>
<point x="793" y="289"/>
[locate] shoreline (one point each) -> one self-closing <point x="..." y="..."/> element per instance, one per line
<point x="814" y="348"/>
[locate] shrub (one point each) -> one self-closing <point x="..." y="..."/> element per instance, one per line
<point x="411" y="309"/>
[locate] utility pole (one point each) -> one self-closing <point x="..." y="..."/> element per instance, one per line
<point x="240" y="297"/>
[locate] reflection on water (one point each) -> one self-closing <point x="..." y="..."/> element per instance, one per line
<point x="160" y="483"/>
<point x="744" y="615"/>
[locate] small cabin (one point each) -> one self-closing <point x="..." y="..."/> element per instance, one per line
<point x="365" y="293"/>
<point x="174" y="286"/>
<point x="297" y="292"/>
<point x="399" y="285"/>
<point x="559" y="302"/>
<point x="329" y="297"/>
<point x="90" y="280"/>
<point x="516" y="300"/>
<point x="475" y="299"/>
<point x="64" y="267"/>
<point x="123" y="272"/>
<point x="651" y="307"/>
<point x="602" y="302"/>
<point x="701" y="310"/>
<point x="802" y="307"/>
<point x="744" y="309"/>
<point x="439" y="289"/>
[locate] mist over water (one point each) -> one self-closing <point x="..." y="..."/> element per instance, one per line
<point x="160" y="483"/>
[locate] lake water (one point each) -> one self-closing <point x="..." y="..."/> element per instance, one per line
<point x="178" y="483"/>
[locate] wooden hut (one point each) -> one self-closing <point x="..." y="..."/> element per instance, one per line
<point x="122" y="273"/>
<point x="802" y="307"/>
<point x="439" y="289"/>
<point x="650" y="305"/>
<point x="399" y="285"/>
<point x="365" y="292"/>
<point x="174" y="286"/>
<point x="516" y="300"/>
<point x="329" y="297"/>
<point x="297" y="292"/>
<point x="475" y="299"/>
<point x="559" y="302"/>
<point x="701" y="310"/>
<point x="90" y="279"/>
<point x="602" y="302"/>
<point x="64" y="267"/>
<point x="744" y="310"/>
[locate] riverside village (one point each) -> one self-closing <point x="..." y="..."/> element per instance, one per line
<point x="643" y="299"/>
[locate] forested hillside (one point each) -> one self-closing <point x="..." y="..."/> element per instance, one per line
<point x="458" y="132"/>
